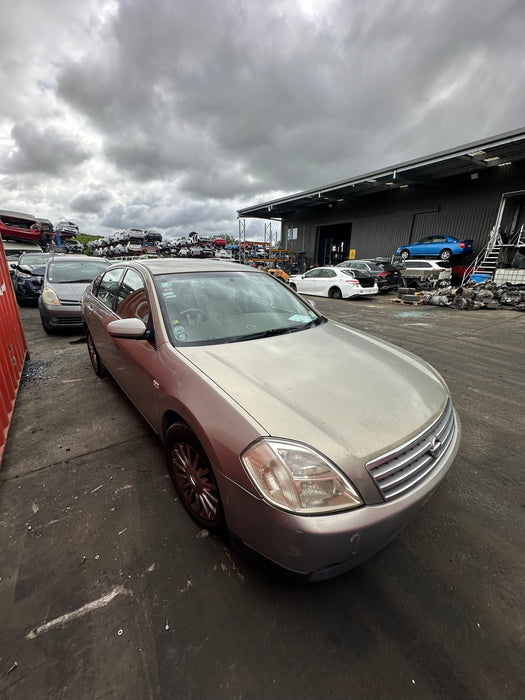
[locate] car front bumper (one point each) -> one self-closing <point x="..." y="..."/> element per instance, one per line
<point x="61" y="316"/>
<point x="320" y="547"/>
<point x="28" y="289"/>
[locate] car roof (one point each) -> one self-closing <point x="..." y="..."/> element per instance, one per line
<point x="417" y="261"/>
<point x="76" y="258"/>
<point x="162" y="266"/>
<point x="29" y="253"/>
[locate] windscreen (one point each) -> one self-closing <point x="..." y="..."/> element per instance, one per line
<point x="74" y="271"/>
<point x="33" y="259"/>
<point x="223" y="307"/>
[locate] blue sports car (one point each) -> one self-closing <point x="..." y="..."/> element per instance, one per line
<point x="442" y="247"/>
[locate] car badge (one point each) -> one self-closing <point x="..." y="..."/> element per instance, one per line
<point x="434" y="449"/>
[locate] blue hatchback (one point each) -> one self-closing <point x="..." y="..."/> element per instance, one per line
<point x="442" y="247"/>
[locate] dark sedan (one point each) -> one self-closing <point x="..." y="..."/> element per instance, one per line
<point x="387" y="276"/>
<point x="27" y="277"/>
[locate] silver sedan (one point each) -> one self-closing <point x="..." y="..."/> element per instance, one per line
<point x="280" y="426"/>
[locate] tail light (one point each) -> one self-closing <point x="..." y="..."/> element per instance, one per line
<point x="382" y="274"/>
<point x="462" y="244"/>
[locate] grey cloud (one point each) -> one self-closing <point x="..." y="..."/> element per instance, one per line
<point x="90" y="202"/>
<point x="176" y="218"/>
<point x="42" y="150"/>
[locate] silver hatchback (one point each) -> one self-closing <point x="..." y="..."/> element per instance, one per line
<point x="280" y="426"/>
<point x="65" y="280"/>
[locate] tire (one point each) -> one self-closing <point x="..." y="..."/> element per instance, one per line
<point x="335" y="293"/>
<point x="445" y="254"/>
<point x="193" y="477"/>
<point x="293" y="286"/>
<point x="96" y="362"/>
<point x="405" y="254"/>
<point x="48" y="329"/>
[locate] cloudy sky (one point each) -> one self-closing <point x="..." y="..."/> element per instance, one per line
<point x="173" y="114"/>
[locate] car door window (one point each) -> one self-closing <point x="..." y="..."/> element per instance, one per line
<point x="312" y="273"/>
<point x="132" y="301"/>
<point x="107" y="289"/>
<point x="329" y="273"/>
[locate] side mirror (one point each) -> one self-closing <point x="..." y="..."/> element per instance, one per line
<point x="131" y="328"/>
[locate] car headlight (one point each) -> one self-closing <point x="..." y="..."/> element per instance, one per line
<point x="297" y="478"/>
<point x="49" y="297"/>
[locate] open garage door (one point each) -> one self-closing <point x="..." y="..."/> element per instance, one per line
<point x="334" y="243"/>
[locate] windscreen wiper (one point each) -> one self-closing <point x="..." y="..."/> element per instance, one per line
<point x="261" y="334"/>
<point x="310" y="324"/>
<point x="279" y="331"/>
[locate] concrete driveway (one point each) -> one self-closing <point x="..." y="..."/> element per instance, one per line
<point x="109" y="590"/>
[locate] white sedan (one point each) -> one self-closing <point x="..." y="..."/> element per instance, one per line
<point x="334" y="282"/>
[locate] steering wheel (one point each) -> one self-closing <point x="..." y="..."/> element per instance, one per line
<point x="193" y="316"/>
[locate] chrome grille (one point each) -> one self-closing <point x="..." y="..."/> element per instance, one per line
<point x="401" y="470"/>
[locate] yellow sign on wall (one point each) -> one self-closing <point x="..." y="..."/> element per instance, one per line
<point x="351" y="254"/>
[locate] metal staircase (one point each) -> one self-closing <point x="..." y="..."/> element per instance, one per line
<point x="486" y="261"/>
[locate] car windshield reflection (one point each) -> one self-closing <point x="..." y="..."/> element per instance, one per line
<point x="208" y="308"/>
<point x="73" y="272"/>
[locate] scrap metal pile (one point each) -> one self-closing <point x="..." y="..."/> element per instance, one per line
<point x="472" y="296"/>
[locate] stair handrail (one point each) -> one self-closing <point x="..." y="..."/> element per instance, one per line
<point x="494" y="239"/>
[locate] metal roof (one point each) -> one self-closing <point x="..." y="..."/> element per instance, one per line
<point x="495" y="151"/>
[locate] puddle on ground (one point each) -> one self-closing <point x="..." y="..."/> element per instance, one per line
<point x="413" y="314"/>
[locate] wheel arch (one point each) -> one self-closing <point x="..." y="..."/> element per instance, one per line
<point x="335" y="287"/>
<point x="171" y="416"/>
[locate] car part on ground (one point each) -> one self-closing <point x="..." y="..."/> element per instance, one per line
<point x="472" y="296"/>
<point x="269" y="412"/>
<point x="420" y="272"/>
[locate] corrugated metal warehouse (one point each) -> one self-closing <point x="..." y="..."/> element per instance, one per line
<point x="456" y="192"/>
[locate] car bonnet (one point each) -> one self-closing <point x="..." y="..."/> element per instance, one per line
<point x="331" y="387"/>
<point x="69" y="291"/>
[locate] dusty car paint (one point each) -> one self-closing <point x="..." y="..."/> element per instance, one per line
<point x="330" y="387"/>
